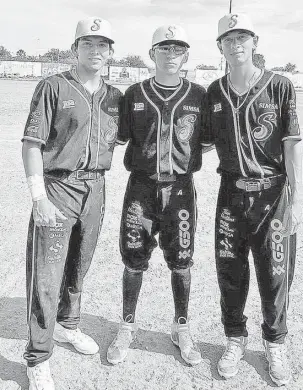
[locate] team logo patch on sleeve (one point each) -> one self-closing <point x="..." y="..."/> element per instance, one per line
<point x="138" y="106"/>
<point x="185" y="127"/>
<point x="68" y="103"/>
<point x="217" y="107"/>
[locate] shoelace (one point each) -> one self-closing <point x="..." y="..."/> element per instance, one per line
<point x="276" y="354"/>
<point x="123" y="338"/>
<point x="41" y="374"/>
<point x="76" y="335"/>
<point x="231" y="351"/>
<point x="185" y="338"/>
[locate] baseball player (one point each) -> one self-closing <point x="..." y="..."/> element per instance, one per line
<point x="161" y="119"/>
<point x="254" y="126"/>
<point x="67" y="147"/>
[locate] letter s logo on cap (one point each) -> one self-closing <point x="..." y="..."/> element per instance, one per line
<point x="171" y="33"/>
<point x="96" y="25"/>
<point x="233" y="21"/>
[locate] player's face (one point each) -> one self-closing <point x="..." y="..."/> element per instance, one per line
<point x="169" y="58"/>
<point x="237" y="47"/>
<point x="93" y="52"/>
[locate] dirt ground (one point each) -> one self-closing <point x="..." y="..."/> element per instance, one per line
<point x="153" y="362"/>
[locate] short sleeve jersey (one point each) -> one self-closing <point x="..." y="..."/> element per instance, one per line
<point x="77" y="130"/>
<point x="164" y="133"/>
<point x="249" y="139"/>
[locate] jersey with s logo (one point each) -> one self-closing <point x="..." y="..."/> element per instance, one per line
<point x="250" y="129"/>
<point x="266" y="122"/>
<point x="163" y="138"/>
<point x="62" y="114"/>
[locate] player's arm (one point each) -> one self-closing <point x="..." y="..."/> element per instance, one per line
<point x="207" y="134"/>
<point x="125" y="119"/>
<point x="35" y="136"/>
<point x="293" y="153"/>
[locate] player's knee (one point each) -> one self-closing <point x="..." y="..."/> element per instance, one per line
<point x="180" y="270"/>
<point x="133" y="271"/>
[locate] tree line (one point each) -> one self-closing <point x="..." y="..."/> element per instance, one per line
<point x="66" y="56"/>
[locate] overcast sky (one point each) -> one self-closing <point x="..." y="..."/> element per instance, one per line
<point x="38" y="25"/>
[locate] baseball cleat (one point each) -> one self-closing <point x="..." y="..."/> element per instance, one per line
<point x="228" y="365"/>
<point x="81" y="342"/>
<point x="118" y="349"/>
<point x="180" y="336"/>
<point x="40" y="377"/>
<point x="279" y="369"/>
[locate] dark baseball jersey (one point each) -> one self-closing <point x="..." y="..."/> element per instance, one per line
<point x="164" y="132"/>
<point x="248" y="129"/>
<point x="64" y="114"/>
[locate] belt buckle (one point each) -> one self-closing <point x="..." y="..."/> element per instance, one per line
<point x="81" y="174"/>
<point x="266" y="183"/>
<point x="252" y="186"/>
<point x="92" y="175"/>
<point x="165" y="177"/>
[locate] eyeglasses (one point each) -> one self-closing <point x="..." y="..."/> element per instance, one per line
<point x="175" y="49"/>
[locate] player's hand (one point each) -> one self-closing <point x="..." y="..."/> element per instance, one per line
<point x="45" y="213"/>
<point x="296" y="216"/>
<point x="293" y="217"/>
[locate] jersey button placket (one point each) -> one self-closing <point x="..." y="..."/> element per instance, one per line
<point x="164" y="136"/>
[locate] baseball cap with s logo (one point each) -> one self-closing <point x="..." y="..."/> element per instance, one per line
<point x="231" y="22"/>
<point x="94" y="26"/>
<point x="172" y="33"/>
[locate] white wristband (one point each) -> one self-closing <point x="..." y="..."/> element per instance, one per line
<point x="36" y="187"/>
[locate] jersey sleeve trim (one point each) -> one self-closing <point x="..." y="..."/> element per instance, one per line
<point x="120" y="142"/>
<point x="292" y="137"/>
<point x="38" y="140"/>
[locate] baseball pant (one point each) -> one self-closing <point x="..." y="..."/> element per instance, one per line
<point x="252" y="221"/>
<point x="151" y="207"/>
<point x="58" y="258"/>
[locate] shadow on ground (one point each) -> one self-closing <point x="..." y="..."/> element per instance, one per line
<point x="13" y="326"/>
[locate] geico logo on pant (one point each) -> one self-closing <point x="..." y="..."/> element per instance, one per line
<point x="184" y="235"/>
<point x="277" y="238"/>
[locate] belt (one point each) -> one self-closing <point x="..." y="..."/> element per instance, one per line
<point x="82" y="174"/>
<point x="164" y="177"/>
<point x="254" y="184"/>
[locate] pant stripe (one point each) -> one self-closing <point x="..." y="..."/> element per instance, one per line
<point x="32" y="275"/>
<point x="287" y="273"/>
<point x="195" y="203"/>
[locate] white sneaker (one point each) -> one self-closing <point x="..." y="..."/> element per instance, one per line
<point x="40" y="377"/>
<point x="180" y="336"/>
<point x="279" y="369"/>
<point x="228" y="365"/>
<point x="81" y="342"/>
<point x="118" y="349"/>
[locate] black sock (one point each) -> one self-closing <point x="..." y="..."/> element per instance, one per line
<point x="180" y="281"/>
<point x="132" y="281"/>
